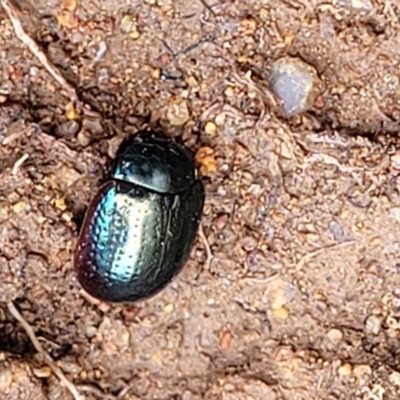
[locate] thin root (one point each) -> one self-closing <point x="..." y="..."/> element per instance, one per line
<point x="31" y="334"/>
<point x="317" y="252"/>
<point x="12" y="13"/>
<point x="209" y="255"/>
<point x="19" y="163"/>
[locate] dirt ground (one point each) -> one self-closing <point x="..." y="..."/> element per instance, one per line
<point x="295" y="294"/>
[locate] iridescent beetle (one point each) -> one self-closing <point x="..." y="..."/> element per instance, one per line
<point x="140" y="227"/>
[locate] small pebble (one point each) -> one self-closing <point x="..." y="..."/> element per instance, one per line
<point x="394" y="212"/>
<point x="394" y="379"/>
<point x="19" y="207"/>
<point x="101" y="51"/>
<point x="6" y="377"/>
<point x="169" y="308"/>
<point x="43" y="372"/>
<point x="279" y="293"/>
<point x="361" y="5"/>
<point x="292" y="81"/>
<point x="373" y="325"/>
<point x="335" y="335"/>
<point x="362" y="372"/>
<point x="71" y="112"/>
<point x="68" y="129"/>
<point x="220" y="119"/>
<point x="345" y="370"/>
<point x="395" y="160"/>
<point x="205" y="157"/>
<point x="93" y="126"/>
<point x="83" y="138"/>
<point x="210" y="128"/>
<point x="249" y="243"/>
<point x="280" y="313"/>
<point x="90" y="332"/>
<point x="6" y="88"/>
<point x="33" y="71"/>
<point x="337" y="231"/>
<point x="103" y="75"/>
<point x="221" y="221"/>
<point x="77" y="37"/>
<point x="134" y="35"/>
<point x="178" y="112"/>
<point x="211" y="302"/>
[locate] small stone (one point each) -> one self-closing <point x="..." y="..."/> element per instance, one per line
<point x="134" y="35"/>
<point x="360" y="5"/>
<point x="83" y="375"/>
<point x="6" y="88"/>
<point x="248" y="26"/>
<point x="312" y="237"/>
<point x="66" y="176"/>
<point x="19" y="207"/>
<point x="42" y="373"/>
<point x="6" y="377"/>
<point x="221" y="221"/>
<point x="192" y="81"/>
<point x="60" y="204"/>
<point x="345" y="370"/>
<point x="306" y="228"/>
<point x="373" y="325"/>
<point x="205" y="157"/>
<point x="395" y="160"/>
<point x="115" y="335"/>
<point x="169" y="308"/>
<point x="68" y="129"/>
<point x="210" y="128"/>
<point x="93" y="126"/>
<point x="279" y="293"/>
<point x="337" y="230"/>
<point x="101" y="51"/>
<point x="77" y="37"/>
<point x="187" y="395"/>
<point x="394" y="212"/>
<point x="281" y="313"/>
<point x="90" y="331"/>
<point x="394" y="379"/>
<point x="393" y="323"/>
<point x="335" y="335"/>
<point x="220" y="119"/>
<point x="292" y="81"/>
<point x="70" y="5"/>
<point x="362" y="373"/>
<point x="229" y="91"/>
<point x="225" y="339"/>
<point x="83" y="138"/>
<point x="249" y="243"/>
<point x="103" y="75"/>
<point x="178" y="112"/>
<point x="71" y="112"/>
<point x="156" y="73"/>
<point x="127" y="24"/>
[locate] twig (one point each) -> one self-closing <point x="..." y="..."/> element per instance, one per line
<point x="57" y="371"/>
<point x="12" y="13"/>
<point x="209" y="255"/>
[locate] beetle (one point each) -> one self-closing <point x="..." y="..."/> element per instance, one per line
<point x="141" y="225"/>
